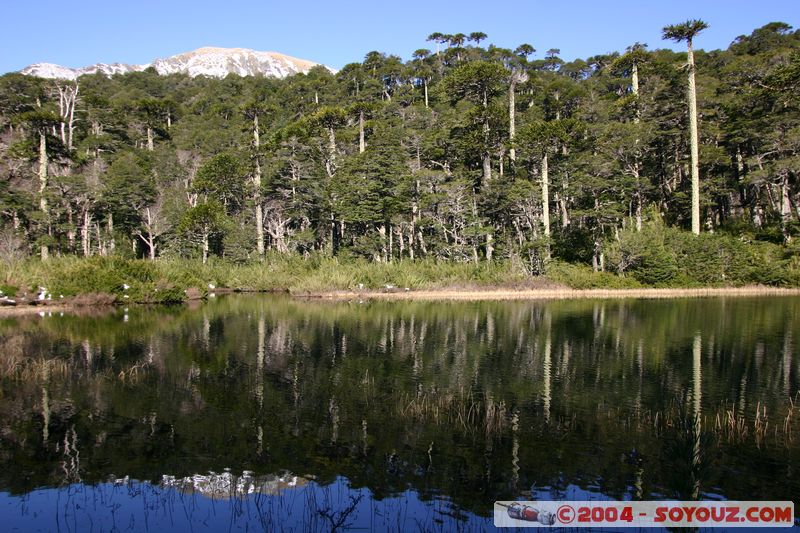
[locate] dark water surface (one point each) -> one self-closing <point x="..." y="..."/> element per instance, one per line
<point x="263" y="412"/>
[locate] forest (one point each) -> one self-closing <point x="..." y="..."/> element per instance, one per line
<point x="640" y="163"/>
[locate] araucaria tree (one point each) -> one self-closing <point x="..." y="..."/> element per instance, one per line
<point x="466" y="152"/>
<point x="687" y="31"/>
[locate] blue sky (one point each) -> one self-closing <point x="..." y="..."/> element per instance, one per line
<point x="81" y="32"/>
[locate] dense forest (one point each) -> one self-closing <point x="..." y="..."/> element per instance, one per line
<point x="464" y="153"/>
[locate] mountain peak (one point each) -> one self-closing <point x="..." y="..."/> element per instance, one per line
<point x="209" y="61"/>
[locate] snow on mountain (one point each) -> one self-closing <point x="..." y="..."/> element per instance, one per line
<point x="219" y="62"/>
<point x="49" y="70"/>
<point x="208" y="61"/>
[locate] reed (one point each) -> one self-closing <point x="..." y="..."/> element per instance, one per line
<point x="461" y="407"/>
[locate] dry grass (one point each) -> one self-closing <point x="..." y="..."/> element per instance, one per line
<point x="557" y="294"/>
<point x="460" y="407"/>
<point x="33" y="369"/>
<point x="726" y="423"/>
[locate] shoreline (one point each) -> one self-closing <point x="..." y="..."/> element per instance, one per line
<point x="552" y="294"/>
<point x="26" y="310"/>
<point x="458" y="294"/>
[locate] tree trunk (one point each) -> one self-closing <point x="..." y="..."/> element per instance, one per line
<point x="545" y="197"/>
<point x="391" y="243"/>
<point x="334" y="229"/>
<point x="205" y="247"/>
<point x="150" y="139"/>
<point x="635" y="90"/>
<point x="487" y="167"/>
<point x="425" y="84"/>
<point x="489" y="247"/>
<point x="512" y="125"/>
<point x="111" y="243"/>
<point x="414" y="216"/>
<point x="362" y="145"/>
<point x="43" y="186"/>
<point x="71" y="229"/>
<point x="86" y="234"/>
<point x="382" y="232"/>
<point x="786" y="206"/>
<point x="257" y="184"/>
<point x="330" y="164"/>
<point x="694" y="142"/>
<point x="487" y="162"/>
<point x="638" y="211"/>
<point x="71" y="123"/>
<point x="562" y="203"/>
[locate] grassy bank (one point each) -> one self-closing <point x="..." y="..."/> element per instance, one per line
<point x="165" y="281"/>
<point x="174" y="280"/>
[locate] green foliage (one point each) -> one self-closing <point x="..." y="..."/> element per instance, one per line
<point x="222" y="179"/>
<point x="477" y="81"/>
<point x="389" y="161"/>
<point x="667" y="257"/>
<point x="8" y="290"/>
<point x="583" y="277"/>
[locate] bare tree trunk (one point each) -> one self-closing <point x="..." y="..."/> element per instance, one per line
<point x="382" y="232"/>
<point x="71" y="122"/>
<point x="334" y="243"/>
<point x="638" y="210"/>
<point x="694" y="142"/>
<point x="414" y="216"/>
<point x="72" y="228"/>
<point x="362" y="145"/>
<point x="545" y="197"/>
<point x="562" y="203"/>
<point x="401" y="242"/>
<point x="43" y="186"/>
<point x="425" y="84"/>
<point x="786" y="206"/>
<point x="391" y="243"/>
<point x="512" y="124"/>
<point x="111" y="243"/>
<point x="86" y="234"/>
<point x="489" y="247"/>
<point x="150" y="146"/>
<point x="257" y="184"/>
<point x="205" y="247"/>
<point x="330" y="164"/>
<point x="635" y="90"/>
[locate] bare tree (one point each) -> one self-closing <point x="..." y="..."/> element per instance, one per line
<point x="67" y="98"/>
<point x="153" y="225"/>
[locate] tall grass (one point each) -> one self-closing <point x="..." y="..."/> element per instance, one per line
<point x="166" y="280"/>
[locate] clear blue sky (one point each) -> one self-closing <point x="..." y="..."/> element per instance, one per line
<point x="335" y="32"/>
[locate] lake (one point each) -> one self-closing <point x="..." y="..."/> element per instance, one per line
<point x="253" y="412"/>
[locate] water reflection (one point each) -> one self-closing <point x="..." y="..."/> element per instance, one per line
<point x="432" y="404"/>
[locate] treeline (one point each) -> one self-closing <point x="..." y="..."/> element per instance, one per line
<point x="463" y="153"/>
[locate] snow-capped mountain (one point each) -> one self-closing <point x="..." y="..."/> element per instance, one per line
<point x="208" y="61"/>
<point x="219" y="62"/>
<point x="49" y="70"/>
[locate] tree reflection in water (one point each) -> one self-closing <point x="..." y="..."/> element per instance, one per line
<point x="428" y="410"/>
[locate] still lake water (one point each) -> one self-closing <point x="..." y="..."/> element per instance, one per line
<point x="260" y="412"/>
